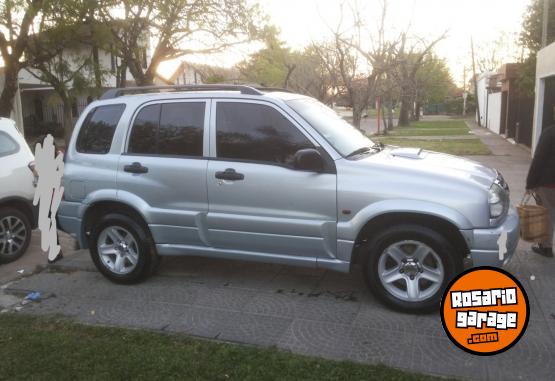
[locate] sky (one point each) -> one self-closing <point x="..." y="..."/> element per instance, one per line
<point x="487" y="21"/>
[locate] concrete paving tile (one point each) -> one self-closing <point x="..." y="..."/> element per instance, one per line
<point x="377" y="317"/>
<point x="223" y="298"/>
<point x="315" y="338"/>
<point x="256" y="329"/>
<point x="326" y="309"/>
<point x="531" y="358"/>
<point x="381" y="347"/>
<point x="436" y="355"/>
<point x="294" y="283"/>
<point x="229" y="325"/>
<point x="273" y="304"/>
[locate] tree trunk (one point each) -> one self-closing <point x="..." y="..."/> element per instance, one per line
<point x="390" y="115"/>
<point x="97" y="72"/>
<point x="417" y="110"/>
<point x="357" y="117"/>
<point x="9" y="91"/>
<point x="67" y="122"/>
<point x="404" y="113"/>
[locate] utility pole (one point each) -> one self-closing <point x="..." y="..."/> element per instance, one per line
<point x="465" y="95"/>
<point x="545" y="22"/>
<point x="475" y="82"/>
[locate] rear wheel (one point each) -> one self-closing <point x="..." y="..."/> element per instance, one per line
<point x="122" y="250"/>
<point x="15" y="234"/>
<point x="409" y="266"/>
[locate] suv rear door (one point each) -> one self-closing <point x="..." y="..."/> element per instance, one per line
<point x="163" y="169"/>
<point x="272" y="209"/>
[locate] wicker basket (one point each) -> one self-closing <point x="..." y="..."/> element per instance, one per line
<point x="534" y="221"/>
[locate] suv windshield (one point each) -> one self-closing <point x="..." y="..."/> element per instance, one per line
<point x="345" y="138"/>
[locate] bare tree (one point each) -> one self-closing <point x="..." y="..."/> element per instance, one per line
<point x="409" y="60"/>
<point x="343" y="62"/>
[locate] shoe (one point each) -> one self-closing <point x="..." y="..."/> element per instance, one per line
<point x="543" y="251"/>
<point x="58" y="257"/>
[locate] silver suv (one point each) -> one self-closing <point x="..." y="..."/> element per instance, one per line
<point x="240" y="173"/>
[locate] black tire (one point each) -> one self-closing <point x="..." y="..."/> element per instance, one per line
<point x="450" y="259"/>
<point x="147" y="257"/>
<point x="6" y="256"/>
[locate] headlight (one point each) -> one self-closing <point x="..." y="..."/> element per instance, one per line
<point x="498" y="201"/>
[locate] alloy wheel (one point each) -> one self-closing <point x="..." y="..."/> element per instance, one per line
<point x="410" y="270"/>
<point x="118" y="250"/>
<point x="13" y="234"/>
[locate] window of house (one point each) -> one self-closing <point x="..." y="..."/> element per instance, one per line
<point x="249" y="131"/>
<point x="98" y="129"/>
<point x="8" y="146"/>
<point x="169" y="129"/>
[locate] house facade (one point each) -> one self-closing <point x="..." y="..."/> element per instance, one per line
<point x="504" y="108"/>
<point x="37" y="107"/>
<point x="544" y="108"/>
<point x="185" y="74"/>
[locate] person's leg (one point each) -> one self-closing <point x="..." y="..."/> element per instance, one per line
<point x="546" y="198"/>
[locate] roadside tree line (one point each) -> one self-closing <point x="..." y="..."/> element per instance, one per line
<point x="58" y="41"/>
<point x="356" y="65"/>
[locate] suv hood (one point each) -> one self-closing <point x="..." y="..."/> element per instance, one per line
<point x="435" y="164"/>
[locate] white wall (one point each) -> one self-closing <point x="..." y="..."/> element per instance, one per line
<point x="545" y="67"/>
<point x="494" y="112"/>
<point x="483" y="82"/>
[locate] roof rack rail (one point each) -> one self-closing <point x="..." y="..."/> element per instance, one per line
<point x="114" y="93"/>
<point x="263" y="88"/>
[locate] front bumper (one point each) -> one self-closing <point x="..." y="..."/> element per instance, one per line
<point x="485" y="243"/>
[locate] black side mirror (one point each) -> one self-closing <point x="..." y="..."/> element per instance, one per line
<point x="309" y="159"/>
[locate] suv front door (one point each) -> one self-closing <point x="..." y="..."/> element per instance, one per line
<point x="163" y="171"/>
<point x="270" y="209"/>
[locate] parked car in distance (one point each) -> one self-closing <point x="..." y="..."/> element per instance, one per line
<point x="240" y="173"/>
<point x="18" y="216"/>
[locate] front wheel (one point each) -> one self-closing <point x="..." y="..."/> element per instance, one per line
<point x="409" y="266"/>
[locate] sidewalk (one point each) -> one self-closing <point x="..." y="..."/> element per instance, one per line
<point x="307" y="311"/>
<point x="512" y="160"/>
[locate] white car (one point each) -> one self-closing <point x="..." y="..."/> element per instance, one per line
<point x="17" y="189"/>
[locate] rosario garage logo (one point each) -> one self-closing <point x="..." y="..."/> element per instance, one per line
<point x="485" y="311"/>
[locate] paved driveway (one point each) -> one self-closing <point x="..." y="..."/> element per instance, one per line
<point x="306" y="311"/>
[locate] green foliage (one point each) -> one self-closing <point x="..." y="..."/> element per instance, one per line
<point x="49" y="349"/>
<point x="270" y="66"/>
<point x="433" y="81"/>
<point x="451" y="146"/>
<point x="530" y="40"/>
<point x="530" y="36"/>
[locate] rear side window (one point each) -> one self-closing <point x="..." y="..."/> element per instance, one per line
<point x="145" y="129"/>
<point x="249" y="131"/>
<point x="8" y="146"/>
<point x="174" y="129"/>
<point x="98" y="129"/>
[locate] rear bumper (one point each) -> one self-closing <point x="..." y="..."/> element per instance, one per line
<point x="485" y="247"/>
<point x="68" y="223"/>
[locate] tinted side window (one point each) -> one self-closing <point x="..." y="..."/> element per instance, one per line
<point x="8" y="146"/>
<point x="181" y="129"/>
<point x="98" y="129"/>
<point x="145" y="129"/>
<point x="256" y="132"/>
